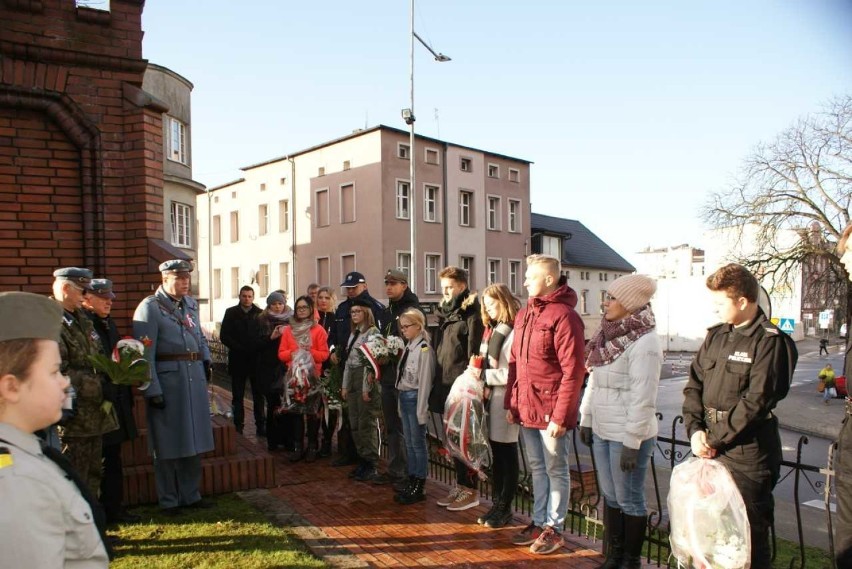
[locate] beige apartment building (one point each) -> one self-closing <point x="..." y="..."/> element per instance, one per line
<point x="344" y="205"/>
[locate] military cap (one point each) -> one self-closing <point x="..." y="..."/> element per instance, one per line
<point x="176" y="266"/>
<point x="76" y="275"/>
<point x="29" y="316"/>
<point x="353" y="279"/>
<point x="395" y="276"/>
<point x="102" y="287"/>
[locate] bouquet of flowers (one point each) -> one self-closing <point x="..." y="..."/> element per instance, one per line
<point x="710" y="528"/>
<point x="126" y="365"/>
<point x="464" y="419"/>
<point x="330" y="383"/>
<point x="376" y="352"/>
<point x="302" y="388"/>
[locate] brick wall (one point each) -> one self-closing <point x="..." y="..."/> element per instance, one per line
<point x="80" y="148"/>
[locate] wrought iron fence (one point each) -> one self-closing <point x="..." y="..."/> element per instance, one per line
<point x="585" y="505"/>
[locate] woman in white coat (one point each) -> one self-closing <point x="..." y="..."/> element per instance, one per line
<point x="618" y="413"/>
<point x="499" y="308"/>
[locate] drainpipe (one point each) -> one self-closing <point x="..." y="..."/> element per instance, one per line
<point x="446" y="209"/>
<point x="210" y="260"/>
<point x="292" y="228"/>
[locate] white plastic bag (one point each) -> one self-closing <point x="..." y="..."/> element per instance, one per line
<point x="464" y="422"/>
<point x="710" y="528"/>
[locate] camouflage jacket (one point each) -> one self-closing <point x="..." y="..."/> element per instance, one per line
<point x="78" y="341"/>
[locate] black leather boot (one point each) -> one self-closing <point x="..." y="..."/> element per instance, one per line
<point x="634" y="539"/>
<point x="613" y="538"/>
<point x="416" y="494"/>
<point x="403" y="491"/>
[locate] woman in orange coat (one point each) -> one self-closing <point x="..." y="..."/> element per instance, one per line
<point x="303" y="349"/>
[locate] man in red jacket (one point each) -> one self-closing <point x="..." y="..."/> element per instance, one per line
<point x="543" y="394"/>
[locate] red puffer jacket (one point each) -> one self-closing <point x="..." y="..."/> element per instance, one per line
<point x="546" y="368"/>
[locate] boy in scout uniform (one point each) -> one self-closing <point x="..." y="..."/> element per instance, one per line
<point x="46" y="517"/>
<point x="82" y="433"/>
<point x="179" y="428"/>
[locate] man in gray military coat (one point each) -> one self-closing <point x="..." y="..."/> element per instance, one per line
<point x="179" y="428"/>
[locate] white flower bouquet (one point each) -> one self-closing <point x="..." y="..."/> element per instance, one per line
<point x="710" y="528"/>
<point x="379" y="351"/>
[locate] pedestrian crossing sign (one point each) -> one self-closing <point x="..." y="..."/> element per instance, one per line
<point x="787" y="325"/>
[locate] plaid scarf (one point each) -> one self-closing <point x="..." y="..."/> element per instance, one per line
<point x="612" y="338"/>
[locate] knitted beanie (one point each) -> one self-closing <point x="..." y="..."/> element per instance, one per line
<point x="633" y="291"/>
<point x="275" y="297"/>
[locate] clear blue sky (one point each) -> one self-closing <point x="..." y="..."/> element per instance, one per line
<point x="632" y="112"/>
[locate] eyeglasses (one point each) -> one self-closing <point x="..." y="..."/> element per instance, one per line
<point x="356" y="311"/>
<point x="303" y="307"/>
<point x="406" y="326"/>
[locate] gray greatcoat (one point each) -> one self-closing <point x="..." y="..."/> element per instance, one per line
<point x="183" y="428"/>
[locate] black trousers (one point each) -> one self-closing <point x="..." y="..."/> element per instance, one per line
<point x="299" y="422"/>
<point x="755" y="467"/>
<point x="464" y="475"/>
<point x="112" y="483"/>
<point x="505" y="471"/>
<point x="843" y="483"/>
<point x="240" y="376"/>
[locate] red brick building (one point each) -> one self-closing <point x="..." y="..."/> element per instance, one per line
<point x="81" y="163"/>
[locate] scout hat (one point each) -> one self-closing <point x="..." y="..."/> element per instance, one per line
<point x="176" y="266"/>
<point x="80" y="277"/>
<point x="29" y="316"/>
<point x="102" y="288"/>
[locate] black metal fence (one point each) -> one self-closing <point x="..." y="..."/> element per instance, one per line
<point x="586" y="504"/>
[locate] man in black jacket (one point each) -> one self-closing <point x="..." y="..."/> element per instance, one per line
<point x="98" y="305"/>
<point x="355" y="287"/>
<point x="236" y="334"/>
<point x="400" y="299"/>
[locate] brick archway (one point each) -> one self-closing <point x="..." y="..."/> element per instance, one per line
<point x="52" y="187"/>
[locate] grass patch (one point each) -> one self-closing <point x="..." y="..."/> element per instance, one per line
<point x="815" y="558"/>
<point x="233" y="534"/>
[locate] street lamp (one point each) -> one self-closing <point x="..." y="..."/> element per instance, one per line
<point x="408" y="117"/>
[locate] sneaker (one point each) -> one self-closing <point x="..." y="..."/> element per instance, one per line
<point x="484" y="517"/>
<point x="549" y="541"/>
<point x="449" y="498"/>
<point x="464" y="501"/>
<point x="527" y="535"/>
<point x="499" y="519"/>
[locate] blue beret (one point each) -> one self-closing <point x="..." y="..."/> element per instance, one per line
<point x="78" y="276"/>
<point x="176" y="266"/>
<point x="102" y="287"/>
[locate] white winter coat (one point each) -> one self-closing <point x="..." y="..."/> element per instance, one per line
<point x="500" y="430"/>
<point x="620" y="401"/>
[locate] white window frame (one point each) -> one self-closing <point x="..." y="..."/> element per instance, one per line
<point x="465" y="160"/>
<point x="235" y="282"/>
<point x="429" y="149"/>
<point x="515" y="287"/>
<point x="514" y="218"/>
<point x="434" y="286"/>
<point x="514" y="175"/>
<point x="284" y="275"/>
<point x="263" y="280"/>
<point x="470" y="271"/>
<point x="317" y="193"/>
<point x="400" y="151"/>
<point x="177" y="148"/>
<point x="217" y="283"/>
<point x="496" y="168"/>
<point x="468" y="207"/>
<point x="436" y="217"/>
<point x="584" y="301"/>
<point x="340" y="202"/>
<point x="497" y="214"/>
<point x="494" y="276"/>
<point x="347" y="164"/>
<point x="263" y="219"/>
<point x="283" y="220"/>
<point x="263" y="187"/>
<point x="399" y="198"/>
<point x="216" y="225"/>
<point x="558" y="246"/>
<point x="403" y="261"/>
<point x="234" y="235"/>
<point x="181" y="221"/>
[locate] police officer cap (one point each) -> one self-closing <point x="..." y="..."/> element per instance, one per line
<point x="102" y="288"/>
<point x="76" y="275"/>
<point x="29" y="316"/>
<point x="176" y="266"/>
<point x="395" y="276"/>
<point x="353" y="279"/>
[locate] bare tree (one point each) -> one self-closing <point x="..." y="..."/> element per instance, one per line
<point x="801" y="181"/>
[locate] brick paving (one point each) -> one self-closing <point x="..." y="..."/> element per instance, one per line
<point x="363" y="520"/>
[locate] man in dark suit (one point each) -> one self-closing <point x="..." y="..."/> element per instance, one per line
<point x="237" y="335"/>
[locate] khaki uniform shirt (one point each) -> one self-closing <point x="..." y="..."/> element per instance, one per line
<point x="44" y="521"/>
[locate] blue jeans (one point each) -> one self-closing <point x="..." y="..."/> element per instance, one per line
<point x="414" y="433"/>
<point x="548" y="463"/>
<point x="624" y="490"/>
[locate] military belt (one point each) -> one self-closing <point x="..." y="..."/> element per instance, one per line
<point x="713" y="416"/>
<point x="184" y="357"/>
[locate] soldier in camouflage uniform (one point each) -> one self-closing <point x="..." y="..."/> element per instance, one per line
<point x="81" y="433"/>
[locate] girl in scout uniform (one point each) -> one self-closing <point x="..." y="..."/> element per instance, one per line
<point x="46" y="519"/>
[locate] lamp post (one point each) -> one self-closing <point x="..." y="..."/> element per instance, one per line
<point x="408" y="117"/>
